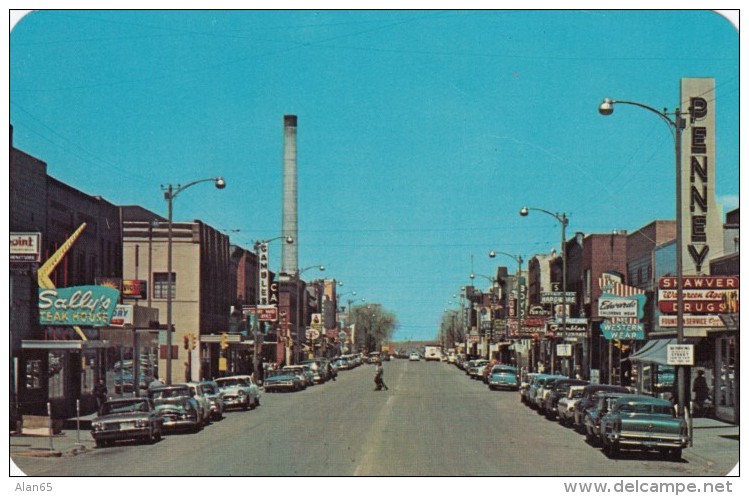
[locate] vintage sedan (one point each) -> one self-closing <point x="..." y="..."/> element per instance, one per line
<point x="643" y="422"/>
<point x="320" y="370"/>
<point x="125" y="419"/>
<point x="593" y="416"/>
<point x="589" y="399"/>
<point x="558" y="391"/>
<point x="177" y="408"/>
<point x="215" y="399"/>
<point x="476" y="370"/>
<point x="566" y="405"/>
<point x="525" y="384"/>
<point x="504" y="377"/>
<point x="544" y="386"/>
<point x="282" y="380"/>
<point x="239" y="391"/>
<point x="303" y="372"/>
<point x="196" y="391"/>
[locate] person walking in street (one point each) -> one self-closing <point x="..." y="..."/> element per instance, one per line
<point x="379" y="383"/>
<point x="701" y="392"/>
<point x="100" y="393"/>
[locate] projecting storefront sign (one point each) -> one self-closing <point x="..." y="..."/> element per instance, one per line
<point x="622" y="330"/>
<point x="571" y="330"/>
<point x="548" y="297"/>
<point x="77" y="305"/>
<point x="699" y="213"/>
<point x="136" y="289"/>
<point x="25" y="247"/>
<point x="615" y="306"/>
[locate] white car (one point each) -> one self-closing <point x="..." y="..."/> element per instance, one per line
<point x="414" y="357"/>
<point x="566" y="405"/>
<point x="239" y="391"/>
<point x="196" y="391"/>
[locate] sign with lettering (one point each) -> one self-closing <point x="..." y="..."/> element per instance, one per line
<point x="622" y="330"/>
<point x="692" y="321"/>
<point x="267" y="313"/>
<point x="699" y="282"/>
<point x="263" y="274"/>
<point x="680" y="354"/>
<point x="699" y="213"/>
<point x="615" y="306"/>
<point x="557" y="297"/>
<point x="122" y="316"/>
<point x="77" y="305"/>
<point x="25" y="247"/>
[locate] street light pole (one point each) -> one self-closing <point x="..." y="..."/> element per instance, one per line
<point x="563" y="220"/>
<point x="676" y="125"/>
<point x="169" y="194"/>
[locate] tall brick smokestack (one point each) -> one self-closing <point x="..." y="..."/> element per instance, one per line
<point x="290" y="225"/>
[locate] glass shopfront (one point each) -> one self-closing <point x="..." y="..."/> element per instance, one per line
<point x="725" y="391"/>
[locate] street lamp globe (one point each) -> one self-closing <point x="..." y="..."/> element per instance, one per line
<point x="289" y="240"/>
<point x="524" y="211"/>
<point x="220" y="183"/>
<point x="606" y="107"/>
<point x="492" y="254"/>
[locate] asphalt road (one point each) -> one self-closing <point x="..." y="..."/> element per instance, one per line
<point x="433" y="421"/>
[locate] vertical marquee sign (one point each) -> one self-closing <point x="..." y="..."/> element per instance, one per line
<point x="700" y="216"/>
<point x="263" y="274"/>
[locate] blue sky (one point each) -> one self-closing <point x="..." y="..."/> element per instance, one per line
<point x="421" y="133"/>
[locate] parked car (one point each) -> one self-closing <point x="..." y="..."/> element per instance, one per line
<point x="643" y="422"/>
<point x="525" y="383"/>
<point x="196" y="391"/>
<point x="320" y="370"/>
<point x="303" y="372"/>
<point x="476" y="370"/>
<point x="414" y="357"/>
<point x="535" y="383"/>
<point x="566" y="405"/>
<point x="124" y="419"/>
<point x="215" y="399"/>
<point x="240" y="391"/>
<point x="504" y="377"/>
<point x="543" y="388"/>
<point x="593" y="416"/>
<point x="589" y="399"/>
<point x="558" y="390"/>
<point x="283" y="380"/>
<point x="176" y="407"/>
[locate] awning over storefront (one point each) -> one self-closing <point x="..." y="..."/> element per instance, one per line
<point x="654" y="351"/>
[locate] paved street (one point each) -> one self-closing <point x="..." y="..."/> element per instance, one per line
<point x="433" y="421"/>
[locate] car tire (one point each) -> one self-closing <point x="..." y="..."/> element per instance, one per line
<point x="246" y="406"/>
<point x="611" y="450"/>
<point x="675" y="454"/>
<point x="100" y="443"/>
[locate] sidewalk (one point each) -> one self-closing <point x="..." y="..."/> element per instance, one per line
<point x="715" y="444"/>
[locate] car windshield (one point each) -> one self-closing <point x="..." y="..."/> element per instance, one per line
<point x="209" y="389"/>
<point x="231" y="382"/>
<point x="169" y="393"/>
<point x="276" y="373"/>
<point x="112" y="408"/>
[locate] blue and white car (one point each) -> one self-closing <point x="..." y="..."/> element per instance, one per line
<point x="504" y="377"/>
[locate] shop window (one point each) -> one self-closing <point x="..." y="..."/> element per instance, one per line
<point x="161" y="285"/>
<point x="56" y="375"/>
<point x="34" y="374"/>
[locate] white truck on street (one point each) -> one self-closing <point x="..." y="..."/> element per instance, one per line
<point x="432" y="353"/>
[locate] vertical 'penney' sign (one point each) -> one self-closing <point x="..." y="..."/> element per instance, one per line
<point x="700" y="215"/>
